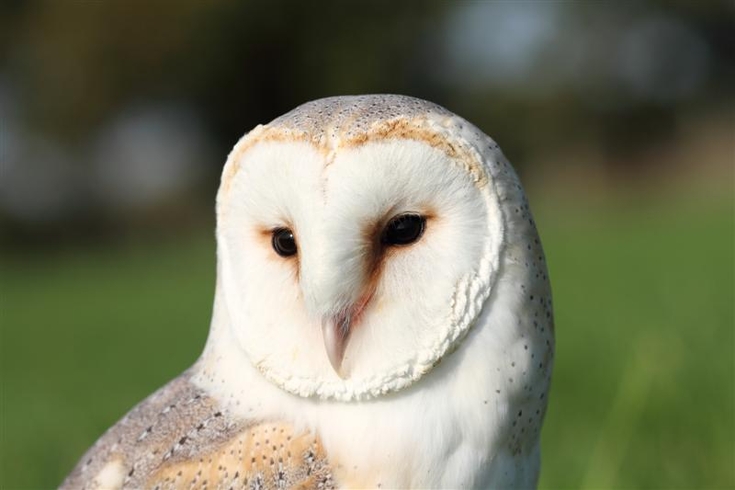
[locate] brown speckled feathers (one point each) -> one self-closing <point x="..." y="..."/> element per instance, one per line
<point x="180" y="438"/>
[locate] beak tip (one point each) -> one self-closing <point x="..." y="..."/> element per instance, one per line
<point x="336" y="358"/>
<point x="341" y="373"/>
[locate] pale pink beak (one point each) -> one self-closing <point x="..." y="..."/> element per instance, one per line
<point x="336" y="332"/>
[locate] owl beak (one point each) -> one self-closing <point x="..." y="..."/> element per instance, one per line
<point x="336" y="333"/>
<point x="336" y="330"/>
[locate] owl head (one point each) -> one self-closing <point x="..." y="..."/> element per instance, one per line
<point x="361" y="238"/>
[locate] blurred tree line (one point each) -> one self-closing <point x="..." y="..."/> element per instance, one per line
<point x="117" y="115"/>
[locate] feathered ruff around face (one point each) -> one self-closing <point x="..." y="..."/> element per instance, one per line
<point x="407" y="305"/>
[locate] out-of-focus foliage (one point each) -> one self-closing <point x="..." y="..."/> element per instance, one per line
<point x="116" y="117"/>
<point x="114" y="112"/>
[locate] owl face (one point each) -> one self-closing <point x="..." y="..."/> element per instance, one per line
<point x="351" y="267"/>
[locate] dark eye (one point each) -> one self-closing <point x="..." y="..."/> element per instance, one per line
<point x="284" y="242"/>
<point x="404" y="229"/>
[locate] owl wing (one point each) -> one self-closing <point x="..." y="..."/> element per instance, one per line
<point x="180" y="437"/>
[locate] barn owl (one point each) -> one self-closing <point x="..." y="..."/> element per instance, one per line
<point x="382" y="317"/>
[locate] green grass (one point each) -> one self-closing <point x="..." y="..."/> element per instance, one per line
<point x="642" y="394"/>
<point x="643" y="384"/>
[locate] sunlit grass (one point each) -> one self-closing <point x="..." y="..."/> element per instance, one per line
<point x="644" y="379"/>
<point x="643" y="384"/>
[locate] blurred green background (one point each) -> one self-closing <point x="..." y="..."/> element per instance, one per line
<point x="116" y="118"/>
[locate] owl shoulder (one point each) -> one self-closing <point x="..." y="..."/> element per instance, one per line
<point x="180" y="436"/>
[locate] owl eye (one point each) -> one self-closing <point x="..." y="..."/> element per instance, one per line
<point x="404" y="229"/>
<point x="284" y="242"/>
